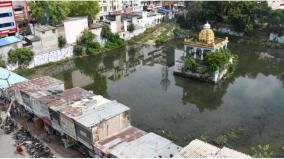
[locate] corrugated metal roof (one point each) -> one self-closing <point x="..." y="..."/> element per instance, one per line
<point x="227" y="152"/>
<point x="13" y="79"/>
<point x="150" y="145"/>
<point x="9" y="40"/>
<point x="102" y="111"/>
<point x="127" y="135"/>
<point x="200" y="149"/>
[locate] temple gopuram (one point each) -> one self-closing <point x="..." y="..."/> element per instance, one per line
<point x="207" y="42"/>
<point x="192" y="62"/>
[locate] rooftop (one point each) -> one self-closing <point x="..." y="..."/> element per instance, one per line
<point x="96" y="110"/>
<point x="217" y="43"/>
<point x="13" y="78"/>
<point x="75" y="18"/>
<point x="96" y="25"/>
<point x="9" y="40"/>
<point x="150" y="145"/>
<point x="127" y="135"/>
<point x="38" y="86"/>
<point x="32" y="38"/>
<point x="200" y="149"/>
<point x="44" y="28"/>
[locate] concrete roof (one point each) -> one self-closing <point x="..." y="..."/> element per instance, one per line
<point x="200" y="149"/>
<point x="44" y="28"/>
<point x="150" y="145"/>
<point x="13" y="79"/>
<point x="75" y="18"/>
<point x="96" y="25"/>
<point x="9" y="40"/>
<point x="32" y="38"/>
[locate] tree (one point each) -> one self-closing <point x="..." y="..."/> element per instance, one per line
<point x="85" y="8"/>
<point x="53" y="12"/>
<point x="113" y="40"/>
<point x="131" y="27"/>
<point x="22" y="56"/>
<point x="61" y="41"/>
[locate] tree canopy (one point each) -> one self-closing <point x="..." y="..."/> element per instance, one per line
<point x="243" y="15"/>
<point x="86" y="44"/>
<point x="54" y="12"/>
<point x="85" y="8"/>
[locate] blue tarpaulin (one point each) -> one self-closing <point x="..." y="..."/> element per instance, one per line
<point x="9" y="40"/>
<point x="13" y="79"/>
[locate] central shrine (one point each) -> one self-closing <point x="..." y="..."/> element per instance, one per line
<point x="207" y="42"/>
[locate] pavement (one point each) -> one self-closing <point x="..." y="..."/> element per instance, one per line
<point x="8" y="148"/>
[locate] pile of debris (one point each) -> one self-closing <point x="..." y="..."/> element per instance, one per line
<point x="32" y="145"/>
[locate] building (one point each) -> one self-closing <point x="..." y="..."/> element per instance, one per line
<point x="22" y="19"/>
<point x="48" y="36"/>
<point x="207" y="42"/>
<point x="276" y="4"/>
<point x="200" y="149"/>
<point x="96" y="29"/>
<point x="8" y="43"/>
<point x="7" y="19"/>
<point x="73" y="28"/>
<point x="109" y="7"/>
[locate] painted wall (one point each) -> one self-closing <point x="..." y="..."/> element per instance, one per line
<point x="48" y="39"/>
<point x="112" y="126"/>
<point x="5" y="49"/>
<point x="46" y="57"/>
<point x="74" y="28"/>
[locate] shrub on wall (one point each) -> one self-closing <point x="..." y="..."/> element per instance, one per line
<point x="61" y="42"/>
<point x="131" y="27"/>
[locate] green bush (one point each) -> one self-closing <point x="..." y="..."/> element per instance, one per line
<point x="113" y="40"/>
<point x="178" y="32"/>
<point x="86" y="44"/>
<point x="131" y="27"/>
<point x="2" y="63"/>
<point x="261" y="151"/>
<point x="163" y="38"/>
<point x="61" y="41"/>
<point x="189" y="63"/>
<point x="218" y="59"/>
<point x="78" y="50"/>
<point x="20" y="56"/>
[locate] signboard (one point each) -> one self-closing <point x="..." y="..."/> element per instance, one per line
<point x="68" y="126"/>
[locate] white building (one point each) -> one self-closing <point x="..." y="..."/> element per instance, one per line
<point x="276" y="4"/>
<point x="48" y="37"/>
<point x="73" y="28"/>
<point x="7" y="19"/>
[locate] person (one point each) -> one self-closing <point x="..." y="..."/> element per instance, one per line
<point x="19" y="148"/>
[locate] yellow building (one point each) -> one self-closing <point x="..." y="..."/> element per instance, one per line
<point x="207" y="42"/>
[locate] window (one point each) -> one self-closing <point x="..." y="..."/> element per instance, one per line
<point x="105" y="8"/>
<point x="114" y="7"/>
<point x="2" y="15"/>
<point x="53" y="30"/>
<point x="7" y="25"/>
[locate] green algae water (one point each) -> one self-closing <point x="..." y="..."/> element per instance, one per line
<point x="141" y="77"/>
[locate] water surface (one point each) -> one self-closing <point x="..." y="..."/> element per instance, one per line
<point x="141" y="77"/>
